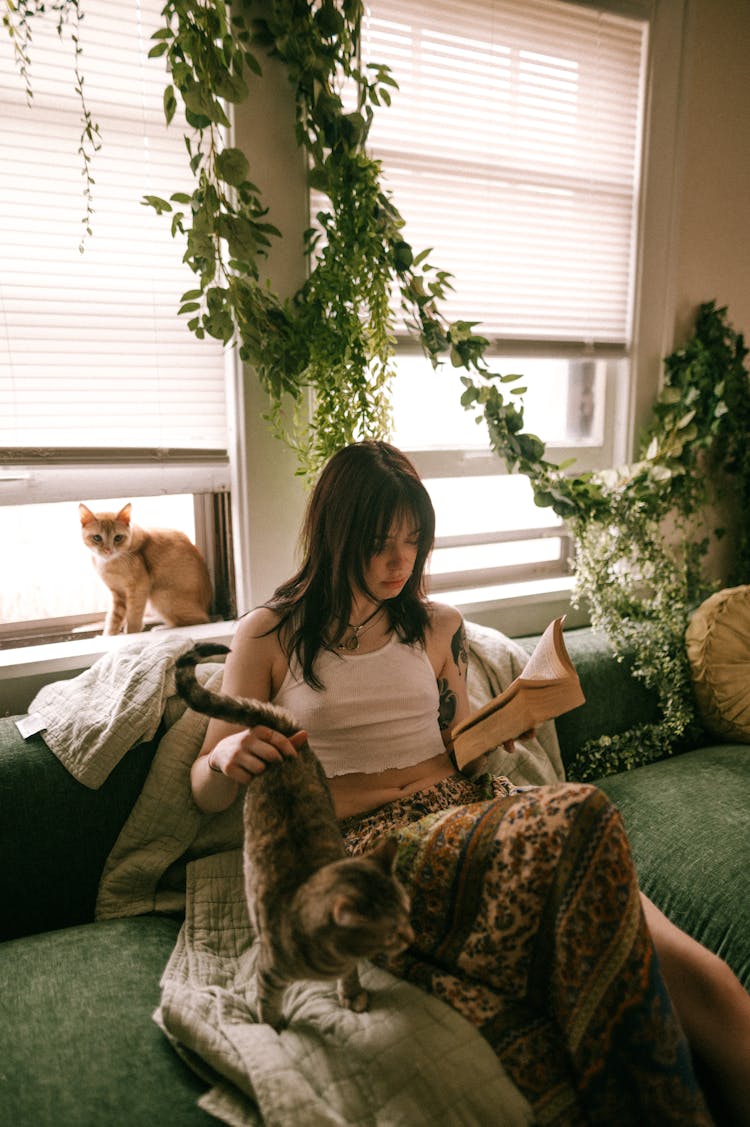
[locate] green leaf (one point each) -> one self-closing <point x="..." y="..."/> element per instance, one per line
<point x="170" y="103"/>
<point x="160" y="206"/>
<point x="232" y="166"/>
<point x="240" y="235"/>
<point x="230" y="87"/>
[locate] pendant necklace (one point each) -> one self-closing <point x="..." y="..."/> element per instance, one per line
<point x="352" y="644"/>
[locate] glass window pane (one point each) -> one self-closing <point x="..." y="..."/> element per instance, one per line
<point x="563" y="402"/>
<point x="48" y="572"/>
<point x="471" y="505"/>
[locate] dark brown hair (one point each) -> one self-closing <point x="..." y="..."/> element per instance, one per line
<point x="362" y="493"/>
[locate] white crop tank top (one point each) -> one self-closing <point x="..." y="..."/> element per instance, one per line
<point x="376" y="710"/>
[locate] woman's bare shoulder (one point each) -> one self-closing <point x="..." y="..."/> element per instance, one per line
<point x="445" y="619"/>
<point x="257" y="632"/>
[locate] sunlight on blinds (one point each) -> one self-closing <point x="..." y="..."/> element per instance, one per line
<point x="92" y="352"/>
<point x="512" y="148"/>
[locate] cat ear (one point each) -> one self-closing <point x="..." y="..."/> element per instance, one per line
<point x="124" y="514"/>
<point x="344" y="913"/>
<point x="384" y="854"/>
<point x="85" y="514"/>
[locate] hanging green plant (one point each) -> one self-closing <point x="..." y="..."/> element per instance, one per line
<point x="18" y="20"/>
<point x="336" y="335"/>
<point x="640" y="561"/>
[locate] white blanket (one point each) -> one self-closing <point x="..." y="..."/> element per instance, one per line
<point x="90" y="721"/>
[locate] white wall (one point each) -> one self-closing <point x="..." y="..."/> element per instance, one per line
<point x="713" y="230"/>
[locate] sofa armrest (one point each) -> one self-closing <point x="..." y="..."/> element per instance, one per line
<point x="615" y="700"/>
<point x="55" y="834"/>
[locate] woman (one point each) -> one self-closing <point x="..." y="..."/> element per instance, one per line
<point x="525" y="901"/>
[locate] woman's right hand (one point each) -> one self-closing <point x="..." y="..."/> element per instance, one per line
<point x="242" y="755"/>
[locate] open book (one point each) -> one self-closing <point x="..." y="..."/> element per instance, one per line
<point x="547" y="687"/>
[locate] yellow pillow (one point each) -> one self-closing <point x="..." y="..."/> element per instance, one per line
<point x="718" y="649"/>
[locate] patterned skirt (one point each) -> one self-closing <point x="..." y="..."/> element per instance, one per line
<point x="528" y="920"/>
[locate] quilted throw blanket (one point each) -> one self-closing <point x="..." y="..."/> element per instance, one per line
<point x="410" y="1061"/>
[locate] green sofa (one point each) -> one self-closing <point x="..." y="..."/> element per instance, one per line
<point x="78" y="1045"/>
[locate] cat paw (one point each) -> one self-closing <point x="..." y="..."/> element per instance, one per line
<point x="357" y="1003"/>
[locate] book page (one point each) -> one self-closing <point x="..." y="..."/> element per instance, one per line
<point x="545" y="663"/>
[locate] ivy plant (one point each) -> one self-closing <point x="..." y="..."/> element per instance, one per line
<point x="336" y="335"/>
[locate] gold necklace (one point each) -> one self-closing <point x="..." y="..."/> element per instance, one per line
<point x="352" y="644"/>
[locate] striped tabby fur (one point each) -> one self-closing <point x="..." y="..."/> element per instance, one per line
<point x="316" y="911"/>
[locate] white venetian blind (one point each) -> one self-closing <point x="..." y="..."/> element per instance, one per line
<point x="512" y="148"/>
<point x="92" y="352"/>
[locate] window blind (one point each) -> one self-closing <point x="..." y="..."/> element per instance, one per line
<point x="512" y="149"/>
<point x="92" y="352"/>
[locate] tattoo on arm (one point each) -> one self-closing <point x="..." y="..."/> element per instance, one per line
<point x="460" y="651"/>
<point x="446" y="705"/>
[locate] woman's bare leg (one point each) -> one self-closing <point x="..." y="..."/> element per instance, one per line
<point x="712" y="1005"/>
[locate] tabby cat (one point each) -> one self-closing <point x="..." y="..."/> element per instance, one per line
<point x="159" y="566"/>
<point x="315" y="910"/>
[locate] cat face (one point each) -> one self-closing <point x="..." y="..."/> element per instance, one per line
<point x="106" y="534"/>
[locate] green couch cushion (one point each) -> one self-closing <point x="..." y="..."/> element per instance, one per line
<point x="690" y="845"/>
<point x="56" y="834"/>
<point x="78" y="1046"/>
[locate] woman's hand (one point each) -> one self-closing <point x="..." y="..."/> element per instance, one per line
<point x="242" y="755"/>
<point x="510" y="745"/>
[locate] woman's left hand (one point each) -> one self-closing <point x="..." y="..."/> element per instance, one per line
<point x="510" y="745"/>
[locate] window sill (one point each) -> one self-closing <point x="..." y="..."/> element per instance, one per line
<point x="519" y="609"/>
<point x="24" y="669"/>
<point x="516" y="609"/>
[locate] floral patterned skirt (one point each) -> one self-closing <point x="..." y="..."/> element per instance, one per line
<point x="528" y="920"/>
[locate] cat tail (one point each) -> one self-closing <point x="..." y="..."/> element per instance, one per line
<point x="191" y="690"/>
<point x="246" y="713"/>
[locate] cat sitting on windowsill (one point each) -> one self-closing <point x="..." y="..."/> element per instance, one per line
<point x="158" y="566"/>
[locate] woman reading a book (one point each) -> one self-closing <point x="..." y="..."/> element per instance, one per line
<point x="524" y="900"/>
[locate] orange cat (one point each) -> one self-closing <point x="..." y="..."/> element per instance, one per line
<point x="159" y="566"/>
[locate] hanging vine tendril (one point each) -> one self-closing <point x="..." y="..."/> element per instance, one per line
<point x="18" y="19"/>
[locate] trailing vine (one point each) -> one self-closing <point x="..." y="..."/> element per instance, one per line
<point x="335" y="336"/>
<point x="640" y="557"/>
<point x="18" y="21"/>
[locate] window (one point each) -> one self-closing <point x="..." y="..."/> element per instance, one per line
<point x="104" y="393"/>
<point x="512" y="148"/>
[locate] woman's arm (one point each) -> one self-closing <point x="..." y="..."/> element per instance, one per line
<point x="446" y="648"/>
<point x="230" y="755"/>
<point x="452" y="679"/>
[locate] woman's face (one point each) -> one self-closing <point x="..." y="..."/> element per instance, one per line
<point x="390" y="566"/>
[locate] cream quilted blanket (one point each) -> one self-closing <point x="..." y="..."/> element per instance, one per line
<point x="410" y="1061"/>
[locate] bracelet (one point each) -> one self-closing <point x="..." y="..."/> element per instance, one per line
<point x="218" y="770"/>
